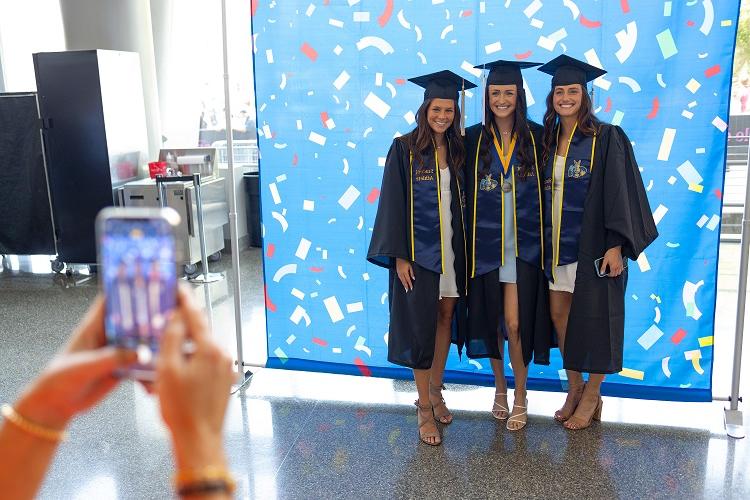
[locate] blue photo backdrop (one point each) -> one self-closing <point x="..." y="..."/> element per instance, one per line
<point x="331" y="95"/>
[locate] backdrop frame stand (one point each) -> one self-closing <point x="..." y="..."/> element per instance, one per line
<point x="243" y="377"/>
<point x="733" y="421"/>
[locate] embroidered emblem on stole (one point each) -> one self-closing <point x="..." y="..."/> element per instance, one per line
<point x="487" y="183"/>
<point x="576" y="170"/>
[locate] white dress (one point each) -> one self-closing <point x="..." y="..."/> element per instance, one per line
<point x="565" y="276"/>
<point x="448" y="286"/>
<point x="507" y="271"/>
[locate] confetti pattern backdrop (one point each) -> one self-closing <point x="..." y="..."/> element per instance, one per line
<point x="331" y="93"/>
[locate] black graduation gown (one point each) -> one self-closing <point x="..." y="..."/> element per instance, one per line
<point x="413" y="315"/>
<point x="485" y="322"/>
<point x="616" y="212"/>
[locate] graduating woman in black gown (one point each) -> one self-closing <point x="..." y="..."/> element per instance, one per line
<point x="419" y="236"/>
<point x="596" y="217"/>
<point x="507" y="294"/>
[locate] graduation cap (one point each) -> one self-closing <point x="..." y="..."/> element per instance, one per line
<point x="503" y="72"/>
<point x="444" y="85"/>
<point x="566" y="70"/>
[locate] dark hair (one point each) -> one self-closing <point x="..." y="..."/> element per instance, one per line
<point x="524" y="154"/>
<point x="588" y="124"/>
<point x="420" y="140"/>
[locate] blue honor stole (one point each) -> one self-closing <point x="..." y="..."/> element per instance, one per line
<point x="489" y="223"/>
<point x="579" y="163"/>
<point x="425" y="214"/>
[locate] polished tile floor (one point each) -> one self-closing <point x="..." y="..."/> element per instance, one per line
<point x="311" y="435"/>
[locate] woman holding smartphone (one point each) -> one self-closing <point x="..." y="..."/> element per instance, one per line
<point x="419" y="237"/>
<point x="597" y="214"/>
<point x="507" y="289"/>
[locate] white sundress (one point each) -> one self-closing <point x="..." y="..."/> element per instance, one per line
<point x="448" y="286"/>
<point x="565" y="276"/>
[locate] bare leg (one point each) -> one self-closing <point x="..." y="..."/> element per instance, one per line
<point x="428" y="431"/>
<point x="559" y="304"/>
<point x="520" y="371"/>
<point x="589" y="408"/>
<point x="500" y="406"/>
<point x="442" y="346"/>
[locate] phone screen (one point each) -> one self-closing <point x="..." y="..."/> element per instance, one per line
<point x="138" y="273"/>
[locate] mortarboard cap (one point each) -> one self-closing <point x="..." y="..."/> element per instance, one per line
<point x="442" y="85"/>
<point x="504" y="72"/>
<point x="566" y="70"/>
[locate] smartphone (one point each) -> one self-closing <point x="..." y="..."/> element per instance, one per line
<point x="598" y="266"/>
<point x="138" y="275"/>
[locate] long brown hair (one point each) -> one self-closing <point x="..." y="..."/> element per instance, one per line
<point x="520" y="129"/>
<point x="588" y="124"/>
<point x="420" y="140"/>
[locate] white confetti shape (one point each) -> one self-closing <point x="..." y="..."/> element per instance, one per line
<point x="376" y="42"/>
<point x="708" y="18"/>
<point x="346" y="166"/>
<point x="351" y="330"/>
<point x="537" y="23"/>
<point x="361" y="17"/>
<point x="338" y="50"/>
<point x="282" y="85"/>
<point x="549" y="42"/>
<point x="377" y="105"/>
<point x="282" y="221"/>
<point x="299" y="124"/>
<point x="643" y="263"/>
<point x="334" y="311"/>
<point x="308" y="205"/>
<point x="713" y="223"/>
<point x="302" y="248"/>
<point x="627" y="39"/>
<point x="354" y="307"/>
<point x="650" y="337"/>
<point x="492" y="48"/>
<point x="409" y="117"/>
<point x="284" y="271"/>
<point x="469" y="68"/>
<point x="687" y="114"/>
<point x="693" y="85"/>
<point x="659" y="213"/>
<point x="298" y="315"/>
<point x="688" y="299"/>
<point x="378" y="79"/>
<point x="340" y="270"/>
<point x="317" y="138"/>
<point x="720" y="124"/>
<point x="298" y="294"/>
<point x="665" y="367"/>
<point x="336" y="23"/>
<point x="330" y="124"/>
<point x="689" y="173"/>
<point x="532" y="8"/>
<point x="445" y="31"/>
<point x="341" y="80"/>
<point x="349" y="197"/>
<point x="593" y="59"/>
<point x="666" y="144"/>
<point x="360" y="346"/>
<point x="365" y="276"/>
<point x="630" y="82"/>
<point x="269" y="56"/>
<point x="310" y="10"/>
<point x="290" y="339"/>
<point x="274" y="193"/>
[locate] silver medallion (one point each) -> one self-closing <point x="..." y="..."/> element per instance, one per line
<point x="506" y="187"/>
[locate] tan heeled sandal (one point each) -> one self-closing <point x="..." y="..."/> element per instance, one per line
<point x="577" y="422"/>
<point x="517" y="417"/>
<point x="571" y="402"/>
<point x="500" y="408"/>
<point x="424" y="417"/>
<point x="440" y="411"/>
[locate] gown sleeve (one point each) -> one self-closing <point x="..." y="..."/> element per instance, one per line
<point x="390" y="238"/>
<point x="628" y="219"/>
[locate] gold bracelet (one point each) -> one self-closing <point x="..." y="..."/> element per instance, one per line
<point x="208" y="479"/>
<point x="36" y="430"/>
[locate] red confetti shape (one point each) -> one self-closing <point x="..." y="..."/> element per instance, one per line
<point x="269" y="305"/>
<point x="253" y="7"/>
<point x="295" y="159"/>
<point x="270" y="250"/>
<point x="400" y="81"/>
<point x="624" y="6"/>
<point x="324" y="118"/>
<point x="320" y="342"/>
<point x="363" y="368"/>
<point x="654" y="109"/>
<point x="466" y="13"/>
<point x="608" y="107"/>
<point x="712" y="71"/>
<point x="678" y="336"/>
<point x="717" y="193"/>
<point x="589" y="23"/>
<point x="386" y="15"/>
<point x="525" y="55"/>
<point x="309" y="51"/>
<point x="691" y="23"/>
<point x="373" y="195"/>
<point x="316" y="269"/>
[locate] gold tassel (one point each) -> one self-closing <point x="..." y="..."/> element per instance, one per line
<point x="463" y="108"/>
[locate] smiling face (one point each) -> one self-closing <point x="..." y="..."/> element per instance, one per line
<point x="567" y="99"/>
<point x="440" y="114"/>
<point x="502" y="100"/>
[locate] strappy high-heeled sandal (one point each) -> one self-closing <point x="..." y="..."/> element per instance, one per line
<point x="516" y="417"/>
<point x="578" y="422"/>
<point x="500" y="408"/>
<point x="424" y="417"/>
<point x="571" y="402"/>
<point x="440" y="411"/>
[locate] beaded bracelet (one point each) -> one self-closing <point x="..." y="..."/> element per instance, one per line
<point x="36" y="430"/>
